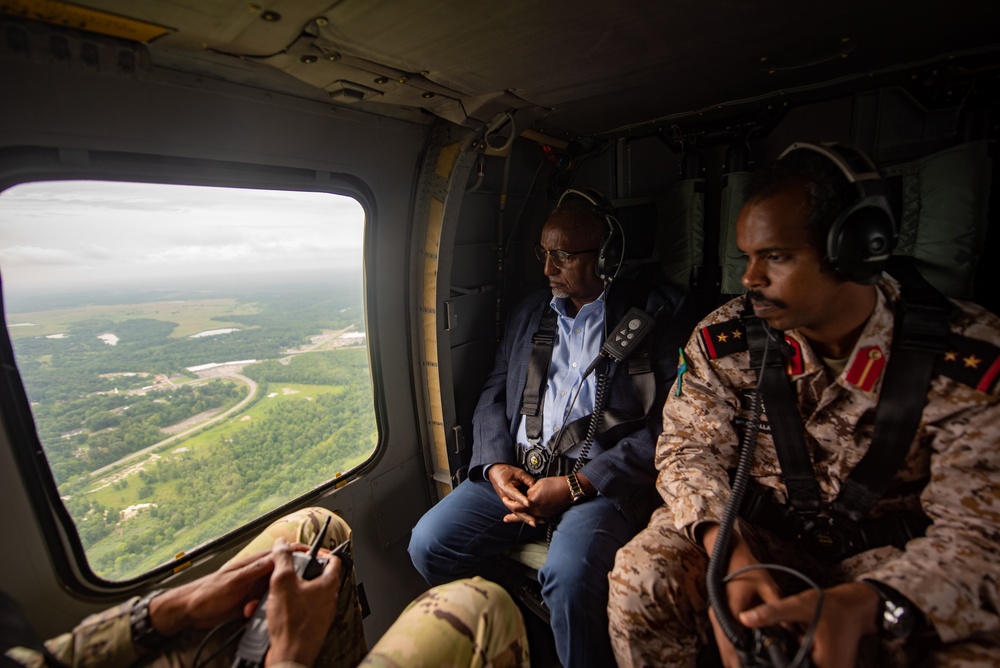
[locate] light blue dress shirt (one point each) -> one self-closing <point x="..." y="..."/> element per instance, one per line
<point x="578" y="342"/>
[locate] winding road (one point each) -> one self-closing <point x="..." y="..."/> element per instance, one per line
<point x="216" y="373"/>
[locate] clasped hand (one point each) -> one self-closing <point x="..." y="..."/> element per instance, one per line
<point x="529" y="500"/>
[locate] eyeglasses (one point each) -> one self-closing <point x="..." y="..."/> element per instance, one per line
<point x="560" y="258"/>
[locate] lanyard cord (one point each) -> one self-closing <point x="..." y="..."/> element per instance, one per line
<point x="593" y="424"/>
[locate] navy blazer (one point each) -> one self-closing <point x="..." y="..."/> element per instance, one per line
<point x="624" y="473"/>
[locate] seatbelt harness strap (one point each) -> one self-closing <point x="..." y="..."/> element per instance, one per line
<point x="537" y="377"/>
<point x="782" y="413"/>
<point x="921" y="336"/>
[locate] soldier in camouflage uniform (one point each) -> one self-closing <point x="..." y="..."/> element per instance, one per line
<point x="465" y="623"/>
<point x="840" y="335"/>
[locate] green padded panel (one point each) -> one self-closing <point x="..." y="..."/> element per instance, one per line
<point x="680" y="239"/>
<point x="945" y="202"/>
<point x="731" y="261"/>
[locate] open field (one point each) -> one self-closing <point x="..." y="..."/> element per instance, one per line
<point x="108" y="489"/>
<point x="190" y="315"/>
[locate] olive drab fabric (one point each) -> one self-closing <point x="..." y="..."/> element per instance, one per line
<point x="950" y="473"/>
<point x="944" y="204"/>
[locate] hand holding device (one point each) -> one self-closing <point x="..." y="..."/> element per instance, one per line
<point x="308" y="565"/>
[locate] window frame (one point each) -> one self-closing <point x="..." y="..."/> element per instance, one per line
<point x="21" y="165"/>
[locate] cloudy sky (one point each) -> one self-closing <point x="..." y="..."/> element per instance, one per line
<point x="83" y="234"/>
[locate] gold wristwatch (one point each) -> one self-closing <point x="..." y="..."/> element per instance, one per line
<point x="575" y="490"/>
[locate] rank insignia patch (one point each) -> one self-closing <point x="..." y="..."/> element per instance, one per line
<point x="724" y="338"/>
<point x="971" y="362"/>
<point x="867" y="368"/>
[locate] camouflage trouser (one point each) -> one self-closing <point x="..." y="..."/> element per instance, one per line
<point x="464" y="623"/>
<point x="658" y="604"/>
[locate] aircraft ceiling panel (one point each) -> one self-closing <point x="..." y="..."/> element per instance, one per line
<point x="572" y="68"/>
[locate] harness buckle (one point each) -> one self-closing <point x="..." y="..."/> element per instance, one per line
<point x="824" y="538"/>
<point x="545" y="338"/>
<point x="536" y="460"/>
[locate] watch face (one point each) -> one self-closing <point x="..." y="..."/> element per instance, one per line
<point x="897" y="620"/>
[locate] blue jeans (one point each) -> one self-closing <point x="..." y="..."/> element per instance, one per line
<point x="466" y="529"/>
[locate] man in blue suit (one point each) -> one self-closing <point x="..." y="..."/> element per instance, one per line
<point x="585" y="480"/>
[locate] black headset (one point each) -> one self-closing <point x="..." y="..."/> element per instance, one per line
<point x="861" y="239"/>
<point x="612" y="250"/>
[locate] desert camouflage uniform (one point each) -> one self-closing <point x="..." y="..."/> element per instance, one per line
<point x="474" y="619"/>
<point x="658" y="603"/>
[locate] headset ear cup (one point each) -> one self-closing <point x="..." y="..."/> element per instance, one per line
<point x="860" y="243"/>
<point x="861" y="239"/>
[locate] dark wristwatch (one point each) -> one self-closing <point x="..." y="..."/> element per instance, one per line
<point x="143" y="632"/>
<point x="575" y="489"/>
<point x="898" y="618"/>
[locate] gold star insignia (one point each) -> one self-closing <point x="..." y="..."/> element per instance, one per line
<point x="971" y="362"/>
<point x="722" y="337"/>
<point x="950" y="356"/>
<point x="737" y="334"/>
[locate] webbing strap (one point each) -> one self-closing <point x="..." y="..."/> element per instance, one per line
<point x="896" y="528"/>
<point x="921" y="335"/>
<point x="538" y="374"/>
<point x="782" y="413"/>
<point x="922" y="326"/>
<point x="640" y="369"/>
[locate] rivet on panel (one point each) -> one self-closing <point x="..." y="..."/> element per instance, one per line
<point x="333" y="56"/>
<point x="309" y="59"/>
<point x="425" y="73"/>
<point x="428" y="95"/>
<point x="255" y="9"/>
<point x="322" y="21"/>
<point x="402" y="80"/>
<point x="382" y="80"/>
<point x="271" y="17"/>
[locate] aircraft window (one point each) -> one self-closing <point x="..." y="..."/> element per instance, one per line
<point x="194" y="357"/>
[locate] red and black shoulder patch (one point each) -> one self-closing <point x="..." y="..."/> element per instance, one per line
<point x="724" y="338"/>
<point x="971" y="362"/>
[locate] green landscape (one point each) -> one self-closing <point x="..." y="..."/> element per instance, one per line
<point x="170" y="419"/>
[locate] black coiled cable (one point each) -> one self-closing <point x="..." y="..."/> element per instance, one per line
<point x="760" y="648"/>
